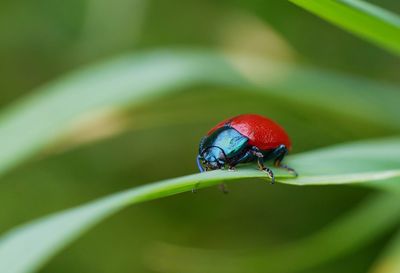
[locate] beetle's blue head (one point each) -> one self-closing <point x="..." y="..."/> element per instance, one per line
<point x="213" y="157"/>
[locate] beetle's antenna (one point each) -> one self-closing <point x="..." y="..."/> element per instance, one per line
<point x="201" y="169"/>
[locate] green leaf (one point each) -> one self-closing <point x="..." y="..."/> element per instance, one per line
<point x="360" y="226"/>
<point x="373" y="23"/>
<point x="355" y="162"/>
<point x="389" y="262"/>
<point x="29" y="125"/>
<point x="369" y="161"/>
<point x="34" y="122"/>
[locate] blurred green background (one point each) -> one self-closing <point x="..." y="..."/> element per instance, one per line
<point x="43" y="39"/>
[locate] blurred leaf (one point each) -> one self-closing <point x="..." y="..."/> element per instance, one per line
<point x="364" y="19"/>
<point x="38" y="119"/>
<point x="31" y="124"/>
<point x="358" y="227"/>
<point x="101" y="32"/>
<point x="50" y="234"/>
<point x="390" y="260"/>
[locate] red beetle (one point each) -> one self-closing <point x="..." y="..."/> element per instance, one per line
<point x="242" y="139"/>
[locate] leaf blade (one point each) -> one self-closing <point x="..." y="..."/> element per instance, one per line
<point x="389" y="262"/>
<point x="130" y="79"/>
<point x="360" y="226"/>
<point x="374" y="24"/>
<point x="60" y="229"/>
<point x="31" y="124"/>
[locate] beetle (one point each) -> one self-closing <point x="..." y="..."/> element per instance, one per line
<point x="244" y="138"/>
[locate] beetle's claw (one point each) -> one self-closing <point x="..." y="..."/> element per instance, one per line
<point x="270" y="174"/>
<point x="195" y="187"/>
<point x="290" y="170"/>
<point x="293" y="171"/>
<point x="223" y="188"/>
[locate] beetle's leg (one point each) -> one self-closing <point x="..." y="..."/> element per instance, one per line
<point x="279" y="153"/>
<point x="289" y="169"/>
<point x="262" y="167"/>
<point x="223" y="188"/>
<point x="246" y="156"/>
<point x="260" y="162"/>
<point x="194" y="189"/>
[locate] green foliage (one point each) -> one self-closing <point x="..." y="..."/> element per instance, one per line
<point x="371" y="219"/>
<point x="115" y="126"/>
<point x="389" y="262"/>
<point x="124" y="81"/>
<point x="362" y="162"/>
<point x="128" y="81"/>
<point x="364" y="19"/>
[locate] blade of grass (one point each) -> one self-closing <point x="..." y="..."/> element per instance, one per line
<point x="366" y="20"/>
<point x="34" y="122"/>
<point x="364" y="224"/>
<point x="31" y="124"/>
<point x="390" y="260"/>
<point x="345" y="160"/>
<point x="26" y="248"/>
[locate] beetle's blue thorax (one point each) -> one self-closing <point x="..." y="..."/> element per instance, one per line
<point x="223" y="144"/>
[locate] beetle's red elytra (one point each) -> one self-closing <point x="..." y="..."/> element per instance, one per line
<point x="262" y="132"/>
